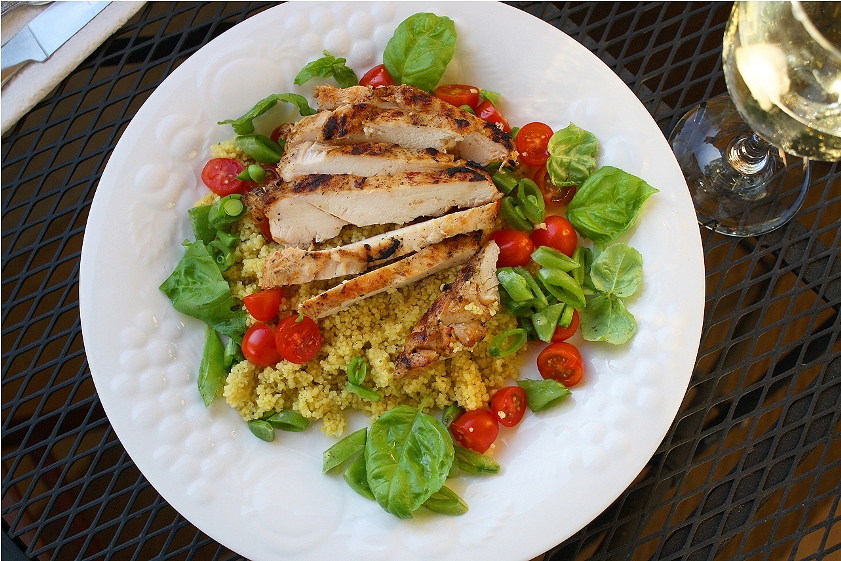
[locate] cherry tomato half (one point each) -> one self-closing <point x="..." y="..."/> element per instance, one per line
<point x="559" y="234"/>
<point x="297" y="341"/>
<point x="515" y="248"/>
<point x="220" y="176"/>
<point x="564" y="333"/>
<point x="533" y="143"/>
<point x="553" y="195"/>
<point x="266" y="229"/>
<point x="264" y="305"/>
<point x="487" y="112"/>
<point x="377" y="76"/>
<point x="561" y="362"/>
<point x="509" y="405"/>
<point x="475" y="430"/>
<point x="458" y="95"/>
<point x="258" y="345"/>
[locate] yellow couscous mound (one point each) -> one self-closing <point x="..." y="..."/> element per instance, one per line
<point x="375" y="329"/>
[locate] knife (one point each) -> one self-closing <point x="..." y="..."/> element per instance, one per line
<point x="45" y="34"/>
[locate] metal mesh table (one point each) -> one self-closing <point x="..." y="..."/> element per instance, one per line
<point x="750" y="468"/>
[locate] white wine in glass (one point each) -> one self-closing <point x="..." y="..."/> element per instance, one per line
<point x="745" y="157"/>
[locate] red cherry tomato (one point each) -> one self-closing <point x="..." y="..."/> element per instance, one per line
<point x="220" y="176"/>
<point x="553" y="195"/>
<point x="266" y="229"/>
<point x="377" y="76"/>
<point x="509" y="405"/>
<point x="487" y="112"/>
<point x="258" y="345"/>
<point x="515" y="248"/>
<point x="264" y="305"/>
<point x="458" y="95"/>
<point x="559" y="234"/>
<point x="297" y="341"/>
<point x="564" y="333"/>
<point x="475" y="430"/>
<point x="561" y="362"/>
<point x="276" y="133"/>
<point x="533" y="143"/>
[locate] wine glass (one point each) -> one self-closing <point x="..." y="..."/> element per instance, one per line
<point x="746" y="157"/>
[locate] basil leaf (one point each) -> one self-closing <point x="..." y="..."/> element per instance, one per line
<point x="212" y="371"/>
<point x="420" y="50"/>
<point x="543" y="394"/>
<point x="244" y="124"/>
<point x="326" y="67"/>
<point x="607" y="319"/>
<point x="607" y="204"/>
<point x="199" y="221"/>
<point x="197" y="288"/>
<point x="617" y="271"/>
<point x="572" y="156"/>
<point x="408" y="455"/>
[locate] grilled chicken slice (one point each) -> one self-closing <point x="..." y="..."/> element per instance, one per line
<point x="456" y="320"/>
<point x="424" y="263"/>
<point x="317" y="206"/>
<point x="482" y="142"/>
<point x="293" y="265"/>
<point x="351" y="124"/>
<point x="363" y="159"/>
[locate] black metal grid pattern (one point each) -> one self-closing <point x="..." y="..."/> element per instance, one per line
<point x="749" y="469"/>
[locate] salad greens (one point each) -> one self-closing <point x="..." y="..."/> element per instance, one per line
<point x="420" y="50"/>
<point x="328" y="66"/>
<point x="607" y="204"/>
<point x="245" y="123"/>
<point x="408" y="455"/>
<point x="572" y="156"/>
<point x="616" y="273"/>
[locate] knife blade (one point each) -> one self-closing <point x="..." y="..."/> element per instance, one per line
<point x="45" y="34"/>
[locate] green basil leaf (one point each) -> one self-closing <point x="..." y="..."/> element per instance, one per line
<point x="326" y="67"/>
<point x="197" y="288"/>
<point x="617" y="271"/>
<point x="245" y="125"/>
<point x="607" y="204"/>
<point x="408" y="455"/>
<point x="543" y="394"/>
<point x="420" y="50"/>
<point x="572" y="156"/>
<point x="607" y="319"/>
<point x="212" y="370"/>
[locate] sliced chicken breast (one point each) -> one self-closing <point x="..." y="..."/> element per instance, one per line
<point x="481" y="142"/>
<point x="316" y="207"/>
<point x="363" y="159"/>
<point x="293" y="265"/>
<point x="456" y="320"/>
<point x="422" y="264"/>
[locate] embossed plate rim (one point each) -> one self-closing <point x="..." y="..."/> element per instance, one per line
<point x="560" y="468"/>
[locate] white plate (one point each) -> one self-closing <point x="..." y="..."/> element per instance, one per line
<point x="560" y="468"/>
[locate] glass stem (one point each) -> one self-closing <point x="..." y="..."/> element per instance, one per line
<point x="748" y="154"/>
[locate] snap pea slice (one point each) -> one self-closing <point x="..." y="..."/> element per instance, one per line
<point x="225" y="211"/>
<point x="451" y="413"/>
<point x="530" y="199"/>
<point x="505" y="180"/>
<point x="473" y="462"/>
<point x="365" y="393"/>
<point x="513" y="214"/>
<point x="212" y="370"/>
<point x="546" y="320"/>
<point x="446" y="501"/>
<point x="550" y="257"/>
<point x="541" y="300"/>
<point x="261" y="429"/>
<point x="357" y="477"/>
<point x="288" y="420"/>
<point x="570" y="291"/>
<point x="514" y="284"/>
<point x="262" y="148"/>
<point x="344" y="449"/>
<point x="357" y="370"/>
<point x="566" y="316"/>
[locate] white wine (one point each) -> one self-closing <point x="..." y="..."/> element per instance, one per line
<point x="787" y="86"/>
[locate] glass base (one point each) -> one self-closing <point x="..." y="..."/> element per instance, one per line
<point x="737" y="188"/>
